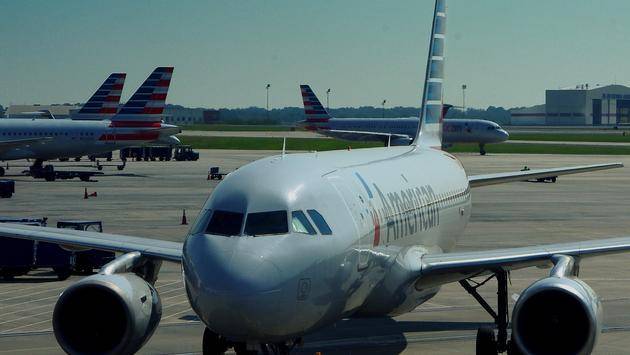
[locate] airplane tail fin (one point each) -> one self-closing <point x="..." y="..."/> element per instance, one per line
<point x="430" y="127"/>
<point x="316" y="114"/>
<point x="145" y="107"/>
<point x="105" y="100"/>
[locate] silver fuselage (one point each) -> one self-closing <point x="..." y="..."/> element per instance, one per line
<point x="385" y="206"/>
<point x="454" y="130"/>
<point x="71" y="138"/>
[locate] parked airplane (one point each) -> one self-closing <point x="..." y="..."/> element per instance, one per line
<point x="104" y="103"/>
<point x="137" y="122"/>
<point x="290" y="244"/>
<point x="395" y="131"/>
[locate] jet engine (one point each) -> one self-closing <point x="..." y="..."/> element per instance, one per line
<point x="557" y="315"/>
<point x="106" y="314"/>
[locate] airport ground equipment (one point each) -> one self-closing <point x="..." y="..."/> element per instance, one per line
<point x="541" y="179"/>
<point x="7" y="188"/>
<point x="87" y="260"/>
<point x="18" y="258"/>
<point x="146" y="153"/>
<point x="49" y="173"/>
<point x="107" y="156"/>
<point x="215" y="173"/>
<point x="186" y="153"/>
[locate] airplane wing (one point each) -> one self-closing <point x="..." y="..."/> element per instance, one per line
<point x="501" y="178"/>
<point x="15" y="143"/>
<point x="450" y="267"/>
<point x="365" y="135"/>
<point x="165" y="250"/>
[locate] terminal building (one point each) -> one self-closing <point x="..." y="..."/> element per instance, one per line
<point x="578" y="106"/>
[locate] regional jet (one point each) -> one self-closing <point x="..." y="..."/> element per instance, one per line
<point x="395" y="131"/>
<point x="290" y="244"/>
<point x="136" y="123"/>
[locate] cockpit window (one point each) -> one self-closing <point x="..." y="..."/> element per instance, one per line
<point x="320" y="222"/>
<point x="225" y="223"/>
<point x="300" y="223"/>
<point x="265" y="223"/>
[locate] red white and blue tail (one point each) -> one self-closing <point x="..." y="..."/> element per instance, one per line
<point x="315" y="113"/>
<point x="430" y="128"/>
<point x="105" y="100"/>
<point x="145" y="107"/>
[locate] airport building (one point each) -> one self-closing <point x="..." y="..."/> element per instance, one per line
<point x="178" y="115"/>
<point x="27" y="111"/>
<point x="578" y="106"/>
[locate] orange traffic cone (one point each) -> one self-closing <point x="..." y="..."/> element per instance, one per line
<point x="93" y="194"/>
<point x="184" y="220"/>
<point x="85" y="195"/>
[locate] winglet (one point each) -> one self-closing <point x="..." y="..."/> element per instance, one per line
<point x="430" y="126"/>
<point x="146" y="105"/>
<point x="105" y="100"/>
<point x="316" y="114"/>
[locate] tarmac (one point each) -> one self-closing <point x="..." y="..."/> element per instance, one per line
<point x="147" y="199"/>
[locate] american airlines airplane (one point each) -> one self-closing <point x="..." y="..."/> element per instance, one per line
<point x="293" y="243"/>
<point x="395" y="131"/>
<point x="137" y="122"/>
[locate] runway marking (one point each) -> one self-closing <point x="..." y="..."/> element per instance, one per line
<point x="176" y="313"/>
<point x="168" y="284"/>
<point x="175" y="304"/>
<point x="25" y="326"/>
<point x="31" y="294"/>
<point x="170" y="291"/>
<point x="28" y="350"/>
<point x="24" y="288"/>
<point x="176" y="296"/>
<point x="27" y="302"/>
<point x="25" y="317"/>
<point x="30" y="309"/>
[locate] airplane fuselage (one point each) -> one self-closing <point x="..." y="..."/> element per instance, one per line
<point x="279" y="286"/>
<point x="54" y="139"/>
<point x="454" y="130"/>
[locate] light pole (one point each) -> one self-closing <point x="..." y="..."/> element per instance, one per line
<point x="327" y="97"/>
<point x="267" y="88"/>
<point x="383" y="105"/>
<point x="464" y="98"/>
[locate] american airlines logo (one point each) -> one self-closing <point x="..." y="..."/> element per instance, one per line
<point x="407" y="212"/>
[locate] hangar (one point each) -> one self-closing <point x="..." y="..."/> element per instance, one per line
<point x="578" y="106"/>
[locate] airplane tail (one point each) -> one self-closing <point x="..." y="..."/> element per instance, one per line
<point x="105" y="100"/>
<point x="430" y="128"/>
<point x="316" y="114"/>
<point x="145" y="107"/>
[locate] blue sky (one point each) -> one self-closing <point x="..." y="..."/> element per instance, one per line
<point x="225" y="51"/>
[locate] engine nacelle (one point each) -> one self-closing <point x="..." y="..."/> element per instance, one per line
<point x="106" y="314"/>
<point x="557" y="315"/>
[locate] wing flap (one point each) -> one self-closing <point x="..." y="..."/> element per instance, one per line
<point x="165" y="250"/>
<point x="502" y="178"/>
<point x="365" y="135"/>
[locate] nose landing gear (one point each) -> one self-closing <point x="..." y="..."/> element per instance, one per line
<point x="215" y="344"/>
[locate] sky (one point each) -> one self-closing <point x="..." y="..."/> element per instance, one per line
<point x="226" y="51"/>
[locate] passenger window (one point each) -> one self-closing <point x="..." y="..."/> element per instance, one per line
<point x="320" y="222"/>
<point x="225" y="223"/>
<point x="300" y="223"/>
<point x="265" y="223"/>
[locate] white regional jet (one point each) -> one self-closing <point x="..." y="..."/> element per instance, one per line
<point x="396" y="131"/>
<point x="293" y="243"/>
<point x="137" y="122"/>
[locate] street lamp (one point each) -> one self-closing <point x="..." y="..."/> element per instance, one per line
<point x="267" y="88"/>
<point x="464" y="98"/>
<point x="383" y="105"/>
<point x="327" y="97"/>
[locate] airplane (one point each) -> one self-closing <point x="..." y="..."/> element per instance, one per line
<point x="395" y="131"/>
<point x="293" y="243"/>
<point x="104" y="103"/>
<point x="137" y="122"/>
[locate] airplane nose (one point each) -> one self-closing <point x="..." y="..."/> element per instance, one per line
<point x="504" y="135"/>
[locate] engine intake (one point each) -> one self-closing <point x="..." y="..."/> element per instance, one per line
<point x="557" y="315"/>
<point x="106" y="314"/>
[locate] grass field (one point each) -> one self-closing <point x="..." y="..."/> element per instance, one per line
<point x="571" y="137"/>
<point x="308" y="144"/>
<point x="235" y="128"/>
<point x="268" y="143"/>
<point x="525" y="148"/>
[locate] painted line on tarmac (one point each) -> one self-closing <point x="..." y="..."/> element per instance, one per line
<point x="25" y="310"/>
<point x="30" y="294"/>
<point x="29" y="350"/>
<point x="176" y="313"/>
<point x="27" y="302"/>
<point x="25" y="326"/>
<point x="33" y="287"/>
<point x="171" y="291"/>
<point x="26" y="317"/>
